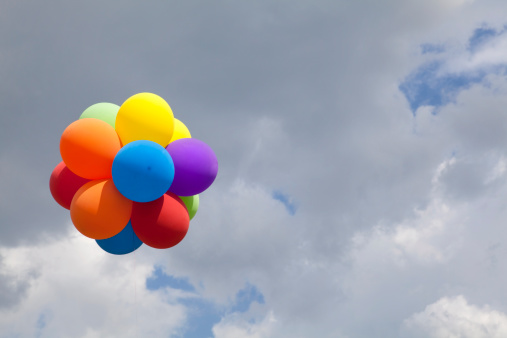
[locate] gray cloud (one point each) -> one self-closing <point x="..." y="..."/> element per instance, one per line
<point x="223" y="66"/>
<point x="13" y="288"/>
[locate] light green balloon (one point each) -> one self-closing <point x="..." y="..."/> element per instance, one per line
<point x="103" y="111"/>
<point x="192" y="204"/>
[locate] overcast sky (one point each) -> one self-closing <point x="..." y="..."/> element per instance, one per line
<point x="362" y="186"/>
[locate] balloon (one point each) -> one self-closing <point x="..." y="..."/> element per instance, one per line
<point x="180" y="131"/>
<point x="143" y="171"/>
<point x="131" y="174"/>
<point x="103" y="111"/>
<point x="145" y="116"/>
<point x="192" y="204"/>
<point x="88" y="148"/>
<point x="64" y="184"/>
<point x="99" y="211"/>
<point x="162" y="223"/>
<point x="195" y="166"/>
<point x="123" y="243"/>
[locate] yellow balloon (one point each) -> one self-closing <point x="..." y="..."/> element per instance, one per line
<point x="180" y="131"/>
<point x="145" y="116"/>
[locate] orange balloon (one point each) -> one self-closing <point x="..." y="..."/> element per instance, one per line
<point x="98" y="210"/>
<point x="88" y="147"/>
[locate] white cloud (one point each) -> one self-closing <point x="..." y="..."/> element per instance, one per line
<point x="234" y="326"/>
<point x="422" y="238"/>
<point x="498" y="170"/>
<point x="455" y="317"/>
<point x="80" y="291"/>
<point x="490" y="54"/>
<point x="240" y="232"/>
<point x="446" y="247"/>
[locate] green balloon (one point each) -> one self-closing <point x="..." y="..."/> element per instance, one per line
<point x="192" y="204"/>
<point x="103" y="111"/>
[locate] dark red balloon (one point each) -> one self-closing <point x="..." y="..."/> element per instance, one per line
<point x="64" y="184"/>
<point x="161" y="223"/>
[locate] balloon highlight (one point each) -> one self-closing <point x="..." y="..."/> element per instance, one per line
<point x="162" y="223"/>
<point x="143" y="171"/>
<point x="195" y="166"/>
<point x="145" y="116"/>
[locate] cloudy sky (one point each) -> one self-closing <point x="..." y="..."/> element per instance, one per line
<point x="362" y="187"/>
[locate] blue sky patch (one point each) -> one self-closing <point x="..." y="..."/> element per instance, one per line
<point x="427" y="87"/>
<point x="203" y="314"/>
<point x="479" y="37"/>
<point x="286" y="200"/>
<point x="245" y="297"/>
<point x="429" y="48"/>
<point x="41" y="322"/>
<point x="431" y="84"/>
<point x="159" y="279"/>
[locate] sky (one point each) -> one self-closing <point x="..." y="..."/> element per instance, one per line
<point x="362" y="185"/>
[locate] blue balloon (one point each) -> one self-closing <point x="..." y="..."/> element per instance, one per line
<point x="143" y="171"/>
<point x="123" y="243"/>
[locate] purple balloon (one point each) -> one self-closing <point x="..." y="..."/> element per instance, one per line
<point x="195" y="166"/>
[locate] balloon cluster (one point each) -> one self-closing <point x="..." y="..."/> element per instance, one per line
<point x="131" y="174"/>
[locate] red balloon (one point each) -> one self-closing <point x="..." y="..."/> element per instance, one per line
<point x="161" y="223"/>
<point x="64" y="184"/>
